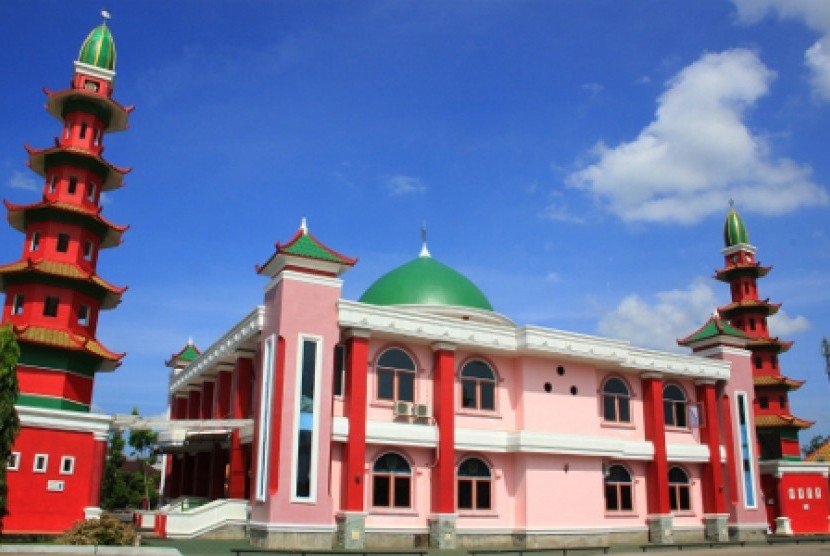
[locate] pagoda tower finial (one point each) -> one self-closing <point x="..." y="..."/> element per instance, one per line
<point x="304" y="225"/>
<point x="424" y="249"/>
<point x="106" y="16"/>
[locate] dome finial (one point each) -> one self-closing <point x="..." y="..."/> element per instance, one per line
<point x="304" y="225"/>
<point x="424" y="249"/>
<point x="105" y="14"/>
<point x="734" y="229"/>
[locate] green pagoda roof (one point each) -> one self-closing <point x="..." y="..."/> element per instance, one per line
<point x="306" y="245"/>
<point x="715" y="326"/>
<point x="98" y="48"/>
<point x="189" y="353"/>
<point x="734" y="230"/>
<point x="425" y="281"/>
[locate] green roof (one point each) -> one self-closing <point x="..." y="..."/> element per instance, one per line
<point x="98" y="48"/>
<point x="734" y="230"/>
<point x="306" y="245"/>
<point x="425" y="281"/>
<point x="713" y="327"/>
<point x="189" y="353"/>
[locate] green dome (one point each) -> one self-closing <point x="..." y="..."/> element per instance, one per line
<point x="734" y="230"/>
<point x="98" y="48"/>
<point x="425" y="281"/>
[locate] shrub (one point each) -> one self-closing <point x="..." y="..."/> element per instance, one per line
<point x="107" y="531"/>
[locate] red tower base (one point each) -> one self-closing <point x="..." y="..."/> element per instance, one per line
<point x="796" y="497"/>
<point x="55" y="476"/>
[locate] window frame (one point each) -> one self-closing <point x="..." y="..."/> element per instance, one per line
<point x="474" y="482"/>
<point x="18" y="304"/>
<point x="395" y="376"/>
<point x="675" y="489"/>
<point x="618" y="398"/>
<point x="392" y="480"/>
<point x="64" y="460"/>
<point x="674" y="406"/>
<point x="34" y="241"/>
<point x="45" y="468"/>
<point x="16" y="457"/>
<point x="60" y="237"/>
<point x="46" y="306"/>
<point x="478" y="382"/>
<point x="618" y="486"/>
<point x="84" y="312"/>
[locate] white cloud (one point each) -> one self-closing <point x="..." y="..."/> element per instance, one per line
<point x="560" y="213"/>
<point x="658" y="323"/>
<point x="404" y="185"/>
<point x="23" y="180"/>
<point x="782" y="324"/>
<point x="816" y="15"/>
<point x="697" y="152"/>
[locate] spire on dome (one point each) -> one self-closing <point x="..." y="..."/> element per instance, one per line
<point x="734" y="230"/>
<point x="304" y="225"/>
<point x="98" y="49"/>
<point x="424" y="249"/>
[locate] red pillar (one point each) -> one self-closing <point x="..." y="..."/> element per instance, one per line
<point x="202" y="481"/>
<point x="354" y="452"/>
<point x="443" y="474"/>
<point x="220" y="410"/>
<point x="174" y="484"/>
<point x="714" y="501"/>
<point x="240" y="409"/>
<point x="734" y="474"/>
<point x="657" y="471"/>
<point x="276" y="417"/>
<point x="189" y="468"/>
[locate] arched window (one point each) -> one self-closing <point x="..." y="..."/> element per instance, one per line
<point x="478" y="386"/>
<point x="618" y="489"/>
<point x="674" y="406"/>
<point x="391" y="482"/>
<point x="474" y="485"/>
<point x="396" y="376"/>
<point x="615" y="401"/>
<point x="679" y="496"/>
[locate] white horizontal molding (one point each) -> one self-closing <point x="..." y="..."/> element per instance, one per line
<point x="55" y="419"/>
<point x="292" y="527"/>
<point x="690" y="453"/>
<point x="779" y="468"/>
<point x="307" y="278"/>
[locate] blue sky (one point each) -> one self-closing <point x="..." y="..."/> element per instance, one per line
<point x="574" y="159"/>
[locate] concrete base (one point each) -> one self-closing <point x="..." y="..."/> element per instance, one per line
<point x="442" y="531"/>
<point x="396" y="541"/>
<point x="538" y="541"/>
<point x="92" y="512"/>
<point x="351" y="530"/>
<point x="660" y="529"/>
<point x="747" y="534"/>
<point x="311" y="540"/>
<point x="716" y="527"/>
<point x="782" y="526"/>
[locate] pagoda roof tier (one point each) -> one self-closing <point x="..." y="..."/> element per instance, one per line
<point x="738" y="269"/>
<point x="781" y="420"/>
<point x="110" y="233"/>
<point x="65" y="339"/>
<point x="776" y="381"/>
<point x="773" y="344"/>
<point x="113" y="114"/>
<point x="822" y="453"/>
<point x="713" y="327"/>
<point x="304" y="246"/>
<point x="41" y="159"/>
<point x="749" y="305"/>
<point x="185" y="355"/>
<point x="109" y="294"/>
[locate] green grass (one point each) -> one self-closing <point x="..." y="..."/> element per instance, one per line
<point x="198" y="546"/>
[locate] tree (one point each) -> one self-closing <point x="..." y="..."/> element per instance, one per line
<point x="814" y="444"/>
<point x="121" y="488"/>
<point x="144" y="442"/>
<point x="9" y="422"/>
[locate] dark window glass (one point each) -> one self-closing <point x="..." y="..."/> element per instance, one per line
<point x="782" y="401"/>
<point x="478" y="369"/>
<point x="35" y="245"/>
<point x="401" y="492"/>
<point x="406" y="386"/>
<point x="685" y="502"/>
<point x="339" y="368"/>
<point x="618" y="494"/>
<point x="763" y="402"/>
<point x="396" y="359"/>
<point x="488" y="395"/>
<point x="752" y="324"/>
<point x="88" y="250"/>
<point x="625" y="413"/>
<point x="63" y="243"/>
<point x="674" y="406"/>
<point x="391" y="472"/>
<point x="380" y="491"/>
<point x="82" y="135"/>
<point x="483" y="495"/>
<point x="473" y="467"/>
<point x="758" y="362"/>
<point x="304" y="464"/>
<point x="83" y="315"/>
<point x="609" y="408"/>
<point x="465" y="495"/>
<point x="17" y="304"/>
<point x="626" y="500"/>
<point x="611" y="500"/>
<point x="615" y="400"/>
<point x="50" y="306"/>
<point x="309" y="364"/>
<point x="73" y="185"/>
<point x="468" y="394"/>
<point x="478" y="383"/>
<point x="391" y="463"/>
<point x="386" y="381"/>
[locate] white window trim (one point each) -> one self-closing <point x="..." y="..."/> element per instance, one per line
<point x="750" y="455"/>
<point x="70" y="459"/>
<point x="45" y="463"/>
<point x="16" y="466"/>
<point x="269" y="356"/>
<point x="315" y="418"/>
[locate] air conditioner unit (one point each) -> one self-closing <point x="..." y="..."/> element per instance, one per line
<point x="403" y="409"/>
<point x="423" y="411"/>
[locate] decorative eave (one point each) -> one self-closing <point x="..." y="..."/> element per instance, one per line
<point x="776" y="382"/>
<point x="114" y="114"/>
<point x="749" y="305"/>
<point x="111" y="236"/>
<point x="714" y="331"/>
<point x="751" y="269"/>
<point x="305" y="252"/>
<point x="112" y="176"/>
<point x="110" y="294"/>
<point x="773" y="344"/>
<point x="781" y="420"/>
<point x="64" y="339"/>
<point x="184" y="356"/>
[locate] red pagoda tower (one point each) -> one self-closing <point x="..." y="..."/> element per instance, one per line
<point x="793" y="489"/>
<point x="53" y="296"/>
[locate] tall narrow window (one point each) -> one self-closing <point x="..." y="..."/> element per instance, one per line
<point x="618" y="489"/>
<point x="752" y="324"/>
<point x="83" y="315"/>
<point x="674" y="406"/>
<point x="34" y="243"/>
<point x="53" y="183"/>
<point x="14" y="462"/>
<point x="17" y="304"/>
<point x="747" y="440"/>
<point x="264" y="440"/>
<point x="763" y="402"/>
<point x="305" y="454"/>
<point x="67" y="465"/>
<point x="758" y="362"/>
<point x="474" y="485"/>
<point x="82" y="134"/>
<point x="395" y="376"/>
<point x="339" y="369"/>
<point x="41" y="463"/>
<point x="88" y="250"/>
<point x="50" y="306"/>
<point x="616" y="401"/>
<point x="391" y="482"/>
<point x="73" y="185"/>
<point x="91" y="189"/>
<point x="478" y="386"/>
<point x="98" y="137"/>
<point x="63" y="243"/>
<point x="679" y="497"/>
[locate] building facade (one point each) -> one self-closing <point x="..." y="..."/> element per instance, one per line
<point x="419" y="416"/>
<point x="53" y="297"/>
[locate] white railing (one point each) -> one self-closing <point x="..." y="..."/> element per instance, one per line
<point x="198" y="521"/>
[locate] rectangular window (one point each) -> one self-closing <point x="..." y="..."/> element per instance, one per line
<point x="34" y="244"/>
<point x="41" y="463"/>
<point x="386" y="384"/>
<point x="82" y="134"/>
<point x="50" y="306"/>
<point x="380" y="491"/>
<point x="306" y="419"/>
<point x="88" y="250"/>
<point x="264" y="443"/>
<point x="90" y="191"/>
<point x="73" y="185"/>
<point x="67" y="465"/>
<point x="98" y="137"/>
<point x="83" y="315"/>
<point x="339" y="369"/>
<point x="782" y="401"/>
<point x="14" y="462"/>
<point x="752" y="324"/>
<point x="53" y="183"/>
<point x="17" y="304"/>
<point x="763" y="402"/>
<point x="63" y="243"/>
<point x="746" y="440"/>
